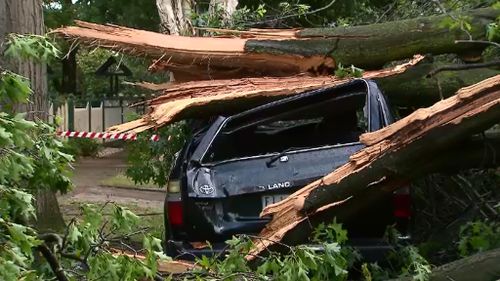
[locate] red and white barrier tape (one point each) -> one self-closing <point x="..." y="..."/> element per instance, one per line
<point x="108" y="136"/>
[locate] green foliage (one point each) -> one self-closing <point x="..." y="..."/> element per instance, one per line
<point x="82" y="147"/>
<point x="330" y="232"/>
<point x="404" y="261"/>
<point x="351" y="71"/>
<point x="244" y="16"/>
<point x="16" y="239"/>
<point x="414" y="264"/>
<point x="35" y="47"/>
<point x="14" y="89"/>
<point x="95" y="88"/>
<point x="478" y="236"/>
<point x="457" y="22"/>
<point x="300" y="263"/>
<point x="30" y="160"/>
<point x="216" y="17"/>
<point x="87" y="242"/>
<point x="493" y="29"/>
<point x="133" y="13"/>
<point x="150" y="162"/>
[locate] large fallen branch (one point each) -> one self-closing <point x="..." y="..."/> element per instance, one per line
<point x="287" y="52"/>
<point x="396" y="154"/>
<point x="185" y="100"/>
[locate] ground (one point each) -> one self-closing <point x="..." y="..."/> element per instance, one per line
<point x="88" y="177"/>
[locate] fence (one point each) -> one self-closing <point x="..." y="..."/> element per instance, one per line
<point x="91" y="118"/>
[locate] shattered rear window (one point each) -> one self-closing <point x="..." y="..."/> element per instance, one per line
<point x="336" y="121"/>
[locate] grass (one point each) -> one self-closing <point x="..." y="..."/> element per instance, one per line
<point x="121" y="180"/>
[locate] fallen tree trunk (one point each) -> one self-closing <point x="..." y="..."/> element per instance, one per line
<point x="371" y="46"/>
<point x="481" y="266"/>
<point x="184" y="100"/>
<point x="316" y="50"/>
<point x="396" y="154"/>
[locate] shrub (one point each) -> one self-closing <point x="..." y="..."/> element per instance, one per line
<point x="82" y="147"/>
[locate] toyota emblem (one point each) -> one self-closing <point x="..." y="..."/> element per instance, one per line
<point x="206" y="189"/>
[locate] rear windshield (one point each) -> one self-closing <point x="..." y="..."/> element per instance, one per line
<point x="334" y="121"/>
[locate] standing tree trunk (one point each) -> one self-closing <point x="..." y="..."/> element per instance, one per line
<point x="175" y="19"/>
<point x="228" y="7"/>
<point x="175" y="16"/>
<point x="26" y="16"/>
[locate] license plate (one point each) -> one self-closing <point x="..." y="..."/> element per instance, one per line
<point x="271" y="199"/>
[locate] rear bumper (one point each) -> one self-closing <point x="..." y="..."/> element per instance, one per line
<point x="372" y="250"/>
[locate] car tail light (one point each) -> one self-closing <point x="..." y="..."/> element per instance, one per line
<point x="173" y="186"/>
<point x="175" y="212"/>
<point x="402" y="203"/>
<point x="175" y="209"/>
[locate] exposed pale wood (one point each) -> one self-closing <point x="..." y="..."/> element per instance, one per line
<point x="254" y="33"/>
<point x="389" y="158"/>
<point x="409" y="89"/>
<point x="210" y="54"/>
<point x="184" y="100"/>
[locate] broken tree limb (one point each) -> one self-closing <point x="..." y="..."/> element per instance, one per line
<point x="184" y="100"/>
<point x="388" y="159"/>
<point x="480" y="266"/>
<point x="312" y="50"/>
<point x="412" y="88"/>
<point x="371" y="46"/>
<point x="202" y="53"/>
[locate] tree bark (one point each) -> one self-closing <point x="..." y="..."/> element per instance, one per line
<point x="413" y="88"/>
<point x="394" y="155"/>
<point x="227" y="6"/>
<point x="23" y="17"/>
<point x="175" y="16"/>
<point x="371" y="46"/>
